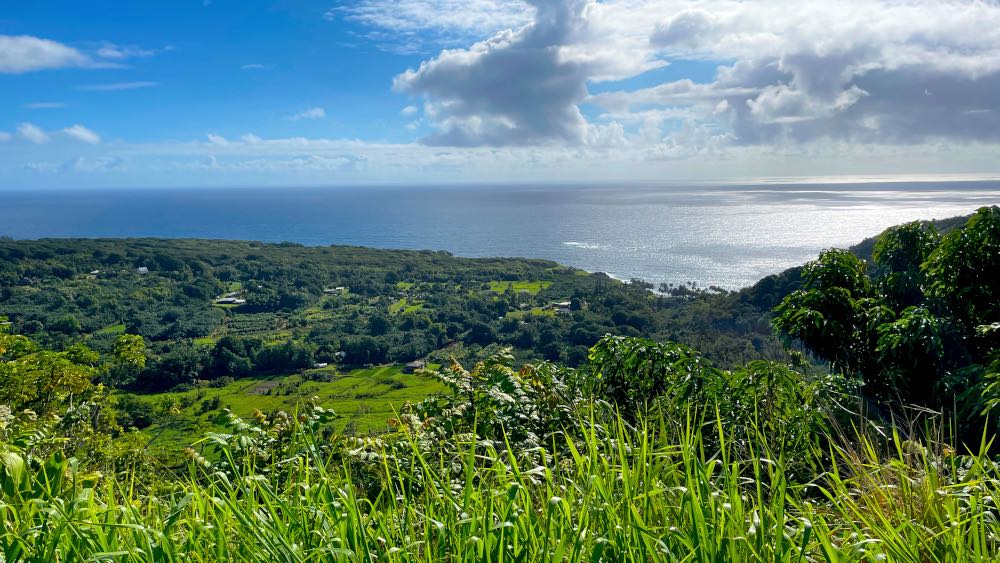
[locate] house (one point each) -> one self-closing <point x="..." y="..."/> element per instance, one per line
<point x="335" y="291"/>
<point x="230" y="301"/>
<point x="142" y="270"/>
<point x="95" y="272"/>
<point x="319" y="365"/>
<point x="414" y="366"/>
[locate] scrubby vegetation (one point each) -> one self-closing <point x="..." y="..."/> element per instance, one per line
<point x="647" y="450"/>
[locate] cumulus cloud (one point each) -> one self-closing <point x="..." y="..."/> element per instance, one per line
<point x="117" y="86"/>
<point x="525" y="86"/>
<point x="81" y="133"/>
<point x="863" y="71"/>
<point x="311" y="113"/>
<point x="24" y="53"/>
<point x="32" y="133"/>
<point x="853" y="70"/>
<point x="408" y="111"/>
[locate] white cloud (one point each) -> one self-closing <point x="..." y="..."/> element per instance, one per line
<point x="311" y="113"/>
<point x="81" y="133"/>
<point x="866" y="71"/>
<point x="24" y="53"/>
<point x="693" y="152"/>
<point x="408" y="111"/>
<point x="116" y="86"/>
<point x="33" y="133"/>
<point x="525" y="86"/>
<point x="255" y="66"/>
<point x="416" y="25"/>
<point x="44" y="105"/>
<point x="122" y="52"/>
<point x="4" y="136"/>
<point x="217" y="140"/>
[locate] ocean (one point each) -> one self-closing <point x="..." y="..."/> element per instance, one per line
<point x="724" y="235"/>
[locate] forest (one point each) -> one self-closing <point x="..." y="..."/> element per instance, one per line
<point x="840" y="411"/>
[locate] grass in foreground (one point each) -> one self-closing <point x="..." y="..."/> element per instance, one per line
<point x="615" y="493"/>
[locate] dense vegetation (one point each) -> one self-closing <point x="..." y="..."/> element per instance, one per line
<point x="398" y="306"/>
<point x="647" y="450"/>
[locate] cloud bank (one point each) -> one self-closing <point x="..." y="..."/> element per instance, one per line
<point x="859" y="71"/>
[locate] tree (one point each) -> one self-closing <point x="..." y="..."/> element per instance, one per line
<point x="911" y="326"/>
<point x="128" y="358"/>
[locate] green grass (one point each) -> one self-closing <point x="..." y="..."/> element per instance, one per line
<point x="364" y="398"/>
<point x="113" y="329"/>
<point x="614" y="492"/>
<point x="406" y="305"/>
<point x="312" y="314"/>
<point x="535" y="311"/>
<point x="404" y="285"/>
<point x="206" y="341"/>
<point x="532" y="287"/>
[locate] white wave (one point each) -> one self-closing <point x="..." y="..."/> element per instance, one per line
<point x="585" y="245"/>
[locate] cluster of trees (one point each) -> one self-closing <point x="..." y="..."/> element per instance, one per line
<point x="918" y="325"/>
<point x="64" y="292"/>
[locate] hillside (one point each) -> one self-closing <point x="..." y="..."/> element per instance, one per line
<point x="649" y="451"/>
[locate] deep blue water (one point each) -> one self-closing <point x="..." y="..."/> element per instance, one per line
<point x="724" y="235"/>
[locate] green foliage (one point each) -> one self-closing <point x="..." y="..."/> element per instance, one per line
<point x="437" y="299"/>
<point x="964" y="270"/>
<point x="907" y="328"/>
<point x="274" y="488"/>
<point x="645" y="378"/>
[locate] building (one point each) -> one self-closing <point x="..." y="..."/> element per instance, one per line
<point x="230" y="301"/>
<point x="335" y="291"/>
<point x="414" y="366"/>
<point x="142" y="270"/>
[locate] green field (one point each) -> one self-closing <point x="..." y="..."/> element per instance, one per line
<point x="532" y="287"/>
<point x="364" y="399"/>
<point x="534" y="311"/>
<point x="406" y="305"/>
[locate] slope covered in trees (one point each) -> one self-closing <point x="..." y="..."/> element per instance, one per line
<point x="648" y="451"/>
<point x="286" y="313"/>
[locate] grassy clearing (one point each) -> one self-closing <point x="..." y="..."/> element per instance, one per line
<point x="113" y="329"/>
<point x="404" y="285"/>
<point x="406" y="305"/>
<point x="535" y="311"/>
<point x="532" y="287"/>
<point x="365" y="399"/>
<point x="206" y="341"/>
<point x="318" y="313"/>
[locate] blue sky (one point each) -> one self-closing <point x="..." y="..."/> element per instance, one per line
<point x="225" y="92"/>
<point x="214" y="67"/>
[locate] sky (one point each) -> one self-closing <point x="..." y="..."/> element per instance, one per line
<point x="327" y="92"/>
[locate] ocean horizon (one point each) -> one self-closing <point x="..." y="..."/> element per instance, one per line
<point x="728" y="235"/>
